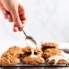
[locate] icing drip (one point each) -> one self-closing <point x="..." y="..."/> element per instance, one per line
<point x="64" y="56"/>
<point x="33" y="55"/>
<point x="57" y="58"/>
<point x="32" y="45"/>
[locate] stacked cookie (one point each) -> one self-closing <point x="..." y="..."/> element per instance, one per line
<point x="49" y="53"/>
<point x="28" y="59"/>
<point x="16" y="55"/>
<point x="52" y="54"/>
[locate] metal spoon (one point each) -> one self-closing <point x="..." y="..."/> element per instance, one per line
<point x="29" y="37"/>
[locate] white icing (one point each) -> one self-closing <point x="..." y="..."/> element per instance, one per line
<point x="32" y="45"/>
<point x="64" y="56"/>
<point x="33" y="55"/>
<point x="57" y="58"/>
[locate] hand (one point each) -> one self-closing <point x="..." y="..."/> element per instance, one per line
<point x="14" y="12"/>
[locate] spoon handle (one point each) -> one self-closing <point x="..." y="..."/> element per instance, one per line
<point x="24" y="33"/>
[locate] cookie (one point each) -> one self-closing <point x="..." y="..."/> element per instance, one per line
<point x="14" y="51"/>
<point x="57" y="60"/>
<point x="11" y="56"/>
<point x="51" y="52"/>
<point x="33" y="61"/>
<point x="9" y="60"/>
<point x="27" y="51"/>
<point x="49" y="45"/>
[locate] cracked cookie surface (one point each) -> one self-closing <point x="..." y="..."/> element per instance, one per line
<point x="33" y="61"/>
<point x="11" y="56"/>
<point x="51" y="52"/>
<point x="9" y="60"/>
<point x="27" y="51"/>
<point x="14" y="51"/>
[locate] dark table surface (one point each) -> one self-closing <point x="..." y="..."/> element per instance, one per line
<point x="37" y="67"/>
<point x="43" y="66"/>
<point x="34" y="67"/>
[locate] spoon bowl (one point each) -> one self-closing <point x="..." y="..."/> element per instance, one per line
<point x="29" y="38"/>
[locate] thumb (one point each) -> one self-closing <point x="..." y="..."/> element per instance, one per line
<point x="16" y="18"/>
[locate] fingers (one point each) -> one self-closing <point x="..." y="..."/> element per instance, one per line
<point x="19" y="18"/>
<point x="6" y="14"/>
<point x="22" y="19"/>
<point x="1" y="6"/>
<point x="16" y="15"/>
<point x="4" y="11"/>
<point x="22" y="13"/>
<point x="10" y="18"/>
<point x="15" y="28"/>
<point x="16" y="19"/>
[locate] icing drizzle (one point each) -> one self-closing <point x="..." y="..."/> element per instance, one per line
<point x="64" y="56"/>
<point x="32" y="45"/>
<point x="33" y="55"/>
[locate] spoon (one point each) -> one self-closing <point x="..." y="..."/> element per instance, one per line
<point x="31" y="43"/>
<point x="29" y="38"/>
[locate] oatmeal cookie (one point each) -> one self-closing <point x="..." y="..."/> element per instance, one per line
<point x="14" y="51"/>
<point x="33" y="61"/>
<point x="49" y="45"/>
<point x="51" y="52"/>
<point x="9" y="60"/>
<point x="57" y="60"/>
<point x="27" y="51"/>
